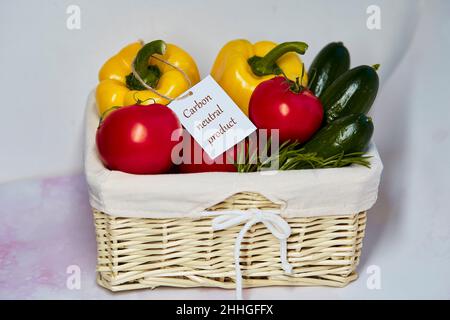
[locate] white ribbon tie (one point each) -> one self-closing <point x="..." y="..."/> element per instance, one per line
<point x="271" y="219"/>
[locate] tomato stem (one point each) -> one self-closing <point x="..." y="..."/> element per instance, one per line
<point x="105" y="113"/>
<point x="296" y="86"/>
<point x="139" y="101"/>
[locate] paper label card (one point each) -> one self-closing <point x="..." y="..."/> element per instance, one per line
<point x="212" y="117"/>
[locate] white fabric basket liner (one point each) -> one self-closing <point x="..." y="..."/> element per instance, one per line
<point x="301" y="193"/>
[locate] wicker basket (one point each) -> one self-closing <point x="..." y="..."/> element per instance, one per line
<point x="135" y="253"/>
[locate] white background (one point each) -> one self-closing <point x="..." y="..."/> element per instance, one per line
<point x="47" y="72"/>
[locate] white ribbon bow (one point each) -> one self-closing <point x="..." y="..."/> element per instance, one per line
<point x="271" y="219"/>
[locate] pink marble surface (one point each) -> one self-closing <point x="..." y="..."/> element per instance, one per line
<point x="46" y="226"/>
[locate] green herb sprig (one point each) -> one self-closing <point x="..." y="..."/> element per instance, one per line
<point x="291" y="156"/>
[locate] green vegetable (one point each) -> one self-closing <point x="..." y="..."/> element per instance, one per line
<point x="346" y="135"/>
<point x="338" y="144"/>
<point x="353" y="92"/>
<point x="291" y="157"/>
<point x="332" y="61"/>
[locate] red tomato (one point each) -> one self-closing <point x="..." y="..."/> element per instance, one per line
<point x="196" y="160"/>
<point x="297" y="115"/>
<point x="138" y="139"/>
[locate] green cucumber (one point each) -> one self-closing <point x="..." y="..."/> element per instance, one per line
<point x="346" y="135"/>
<point x="332" y="61"/>
<point x="353" y="92"/>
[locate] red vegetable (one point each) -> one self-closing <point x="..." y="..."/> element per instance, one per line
<point x="282" y="104"/>
<point x="196" y="160"/>
<point x="137" y="139"/>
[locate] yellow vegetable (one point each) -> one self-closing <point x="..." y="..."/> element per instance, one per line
<point x="240" y="66"/>
<point x="166" y="68"/>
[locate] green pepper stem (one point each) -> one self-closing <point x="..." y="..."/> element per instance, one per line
<point x="266" y="65"/>
<point x="144" y="54"/>
<point x="150" y="74"/>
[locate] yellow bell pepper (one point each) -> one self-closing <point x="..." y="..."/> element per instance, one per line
<point x="240" y="66"/>
<point x="119" y="87"/>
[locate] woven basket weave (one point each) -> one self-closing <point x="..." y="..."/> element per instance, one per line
<point x="135" y="253"/>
